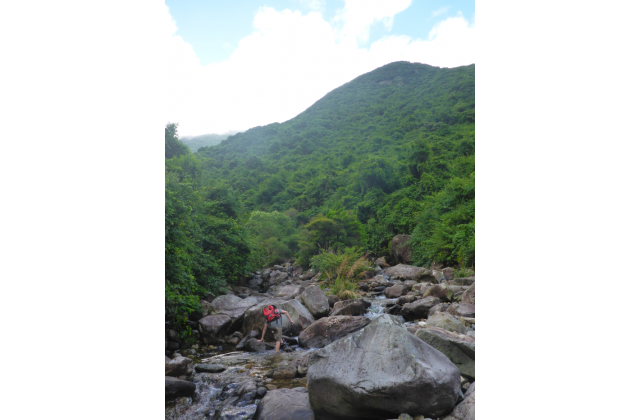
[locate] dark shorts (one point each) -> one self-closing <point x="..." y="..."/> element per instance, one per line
<point x="276" y="327"/>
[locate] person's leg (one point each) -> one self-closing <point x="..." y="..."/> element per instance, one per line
<point x="278" y="337"/>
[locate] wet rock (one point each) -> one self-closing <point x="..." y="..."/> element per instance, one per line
<point x="282" y="373"/>
<point x="332" y="299"/>
<point x="471" y="333"/>
<point x="261" y="392"/>
<point x="315" y="301"/>
<point x="406" y="299"/>
<point x="244" y="412"/>
<point x="285" y="404"/>
<point x="213" y="327"/>
<point x="209" y="368"/>
<point x="253" y="345"/>
<point x="178" y="367"/>
<point x="271" y="387"/>
<point x="175" y="388"/>
<point x="466" y="410"/>
<point x="254" y="319"/>
<point x="419" y="309"/>
<point x="327" y="330"/>
<point x="469" y="296"/>
<point x="446" y="321"/>
<point x="410" y="272"/>
<point x="232" y="340"/>
<point x="351" y="307"/>
<point x="381" y="371"/>
<point x="461" y="350"/>
<point x="252" y="334"/>
<point x="404" y="416"/>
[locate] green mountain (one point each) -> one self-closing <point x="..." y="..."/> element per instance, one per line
<point x="395" y="147"/>
<point x="196" y="142"/>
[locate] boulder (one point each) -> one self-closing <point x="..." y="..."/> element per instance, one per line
<point x="466" y="410"/>
<point x="178" y="366"/>
<point x="289" y="292"/>
<point x="381" y="262"/>
<point x="444" y="292"/>
<point x="448" y="273"/>
<point x="255" y="320"/>
<point x="254" y="345"/>
<point x="463" y="281"/>
<point x="234" y="308"/>
<point x="327" y="330"/>
<point x="469" y="295"/>
<point x="438" y="275"/>
<point x="380" y="372"/>
<point x="252" y="334"/>
<point x="462" y="309"/>
<point x="446" y="321"/>
<point x="460" y="349"/>
<point x="440" y="307"/>
<point x="209" y="368"/>
<point x="209" y="297"/>
<point x="213" y="328"/>
<point x="406" y="299"/>
<point x="175" y="388"/>
<point x="352" y="307"/>
<point x="315" y="301"/>
<point x="332" y="299"/>
<point x="419" y="309"/>
<point x="400" y="248"/>
<point x="287" y="372"/>
<point x="285" y="404"/>
<point x="394" y="291"/>
<point x="410" y="272"/>
<point x="366" y="275"/>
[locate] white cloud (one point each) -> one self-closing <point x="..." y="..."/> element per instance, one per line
<point x="440" y="11"/>
<point x="314" y="5"/>
<point x="290" y="61"/>
<point x="358" y="15"/>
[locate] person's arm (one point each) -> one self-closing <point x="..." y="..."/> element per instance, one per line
<point x="287" y="314"/>
<point x="263" y="331"/>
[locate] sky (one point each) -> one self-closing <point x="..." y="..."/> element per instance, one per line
<point x="231" y="66"/>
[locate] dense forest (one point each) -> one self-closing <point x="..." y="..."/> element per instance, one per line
<point x="196" y="142"/>
<point x="391" y="152"/>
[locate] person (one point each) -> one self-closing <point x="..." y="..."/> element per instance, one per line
<point x="274" y="322"/>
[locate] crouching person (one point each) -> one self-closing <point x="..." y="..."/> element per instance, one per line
<point x="274" y="322"/>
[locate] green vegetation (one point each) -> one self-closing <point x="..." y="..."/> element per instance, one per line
<point x="196" y="142"/>
<point x="391" y="152"/>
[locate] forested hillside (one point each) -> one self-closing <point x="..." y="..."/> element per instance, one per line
<point x="391" y="152"/>
<point x="196" y="142"/>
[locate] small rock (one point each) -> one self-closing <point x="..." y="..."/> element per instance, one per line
<point x="260" y="392"/>
<point x="209" y="368"/>
<point x="404" y="416"/>
<point x="271" y="387"/>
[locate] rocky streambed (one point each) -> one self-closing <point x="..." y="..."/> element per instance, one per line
<point x="404" y="349"/>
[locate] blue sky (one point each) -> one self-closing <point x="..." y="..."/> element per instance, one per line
<point x="214" y="28"/>
<point x="231" y="66"/>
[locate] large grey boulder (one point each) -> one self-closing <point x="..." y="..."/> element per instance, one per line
<point x="446" y="321"/>
<point x="410" y="272"/>
<point x="419" y="309"/>
<point x="467" y="310"/>
<point x="252" y="345"/>
<point x="255" y="320"/>
<point x="178" y="366"/>
<point x="469" y="295"/>
<point x="289" y="292"/>
<point x="213" y="328"/>
<point x="394" y="291"/>
<point x="175" y="388"/>
<point x="460" y="349"/>
<point x="400" y="248"/>
<point x="327" y="330"/>
<point x="466" y="410"/>
<point x="440" y="307"/>
<point x="380" y="372"/>
<point x="353" y="307"/>
<point x="285" y="404"/>
<point x="444" y="292"/>
<point x="234" y="308"/>
<point x="315" y="301"/>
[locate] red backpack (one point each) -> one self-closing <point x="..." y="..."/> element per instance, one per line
<point x="271" y="313"/>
